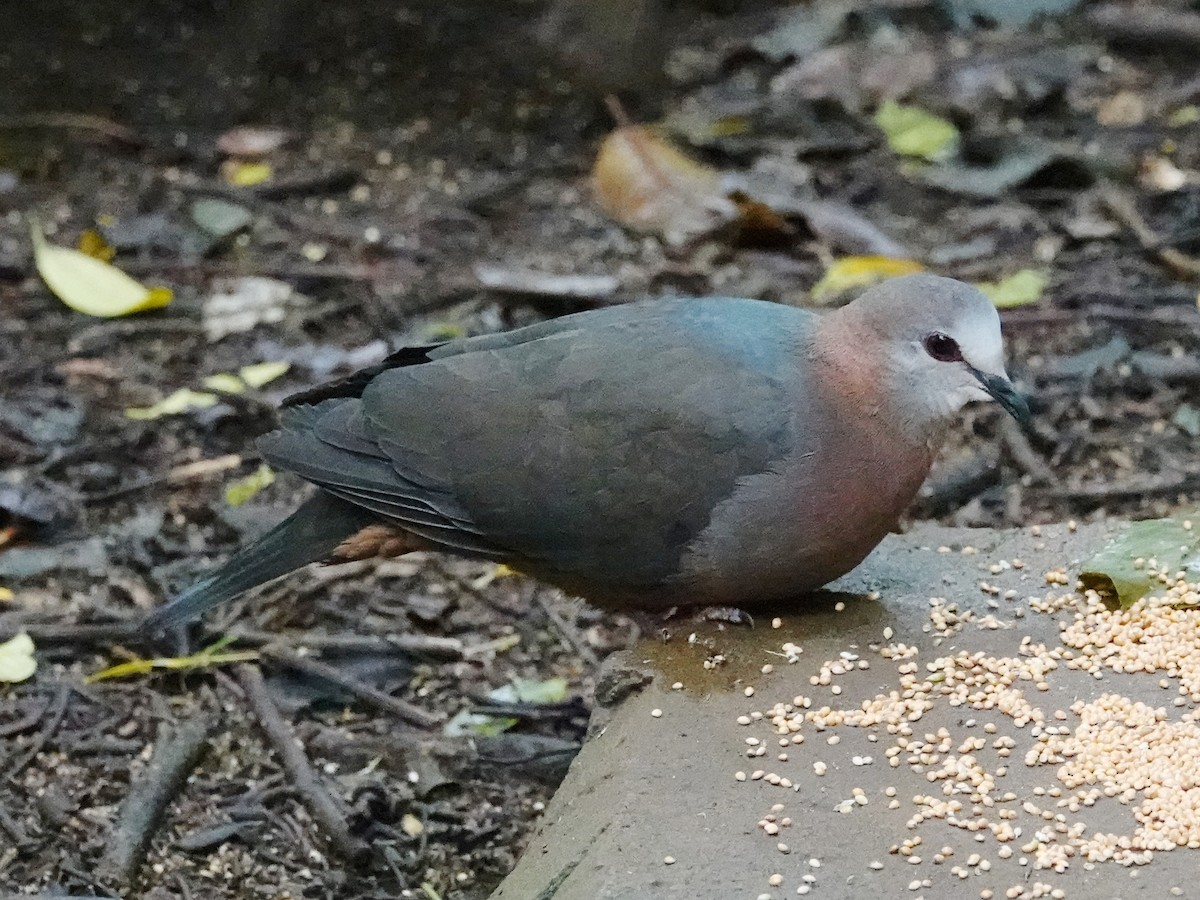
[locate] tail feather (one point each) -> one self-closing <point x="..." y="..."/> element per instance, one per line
<point x="308" y="535"/>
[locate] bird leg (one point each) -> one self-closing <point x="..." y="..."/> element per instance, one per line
<point x="730" y="615"/>
<point x="378" y="540"/>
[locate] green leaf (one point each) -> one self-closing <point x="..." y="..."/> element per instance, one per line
<point x="1114" y="571"/>
<point x="552" y="690"/>
<point x="239" y="491"/>
<point x="520" y="690"/>
<point x="1019" y="289"/>
<point x="911" y="131"/>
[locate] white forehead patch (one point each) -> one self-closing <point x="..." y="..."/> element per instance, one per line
<point x="978" y="336"/>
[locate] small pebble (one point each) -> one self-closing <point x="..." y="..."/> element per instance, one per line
<point x="657" y="713"/>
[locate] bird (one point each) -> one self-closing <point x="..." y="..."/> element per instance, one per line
<point x="712" y="452"/>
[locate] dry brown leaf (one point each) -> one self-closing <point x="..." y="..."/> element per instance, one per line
<point x="647" y="184"/>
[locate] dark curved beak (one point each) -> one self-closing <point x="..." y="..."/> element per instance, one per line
<point x="1006" y="395"/>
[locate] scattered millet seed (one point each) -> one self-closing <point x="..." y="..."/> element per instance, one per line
<point x="669" y="860"/>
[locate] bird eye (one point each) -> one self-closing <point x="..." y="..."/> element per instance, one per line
<point x="942" y="347"/>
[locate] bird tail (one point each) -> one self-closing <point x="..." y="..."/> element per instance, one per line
<point x="309" y="534"/>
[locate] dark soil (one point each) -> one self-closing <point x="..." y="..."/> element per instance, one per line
<point x="427" y="139"/>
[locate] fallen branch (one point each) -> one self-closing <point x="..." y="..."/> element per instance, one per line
<point x="567" y="631"/>
<point x="173" y="761"/>
<point x="402" y="709"/>
<point x="73" y="633"/>
<point x="321" y="805"/>
<point x="57" y="714"/>
<point x="1126" y="213"/>
<point x="435" y="646"/>
<point x="527" y="282"/>
<point x="1023" y="454"/>
<point x="181" y="474"/>
<point x="1100" y="494"/>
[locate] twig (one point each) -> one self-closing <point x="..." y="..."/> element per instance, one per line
<point x="1104" y="493"/>
<point x="567" y="630"/>
<point x="25" y="722"/>
<point x="193" y="471"/>
<point x="401" y="708"/>
<point x="114" y="131"/>
<point x="10" y="827"/>
<point x="1146" y="23"/>
<point x="107" y="333"/>
<point x="1169" y="317"/>
<point x="319" y="802"/>
<point x="73" y="633"/>
<point x="617" y="110"/>
<point x="173" y="761"/>
<point x="57" y="714"/>
<point x="527" y="282"/>
<point x="1023" y="454"/>
<point x="444" y="648"/>
<point x="1126" y="213"/>
<point x="285" y="270"/>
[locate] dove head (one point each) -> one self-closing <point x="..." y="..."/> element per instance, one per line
<point x="940" y="348"/>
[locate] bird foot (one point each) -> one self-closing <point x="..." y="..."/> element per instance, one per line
<point x="730" y="615"/>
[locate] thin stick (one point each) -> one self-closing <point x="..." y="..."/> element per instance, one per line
<point x="149" y="796"/>
<point x="437" y="646"/>
<point x="319" y="802"/>
<point x="59" y="712"/>
<point x="567" y="631"/>
<point x="414" y="715"/>
<point x="1126" y="213"/>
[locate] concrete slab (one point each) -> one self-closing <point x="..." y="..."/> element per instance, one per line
<point x="653" y="808"/>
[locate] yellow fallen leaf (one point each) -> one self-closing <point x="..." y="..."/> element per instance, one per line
<point x="240" y="173"/>
<point x="6" y="595"/>
<point x="88" y="285"/>
<point x="173" y="404"/>
<point x="94" y="245"/>
<point x="225" y="381"/>
<point x="201" y="660"/>
<point x="254" y="376"/>
<point x="263" y="373"/>
<point x="1019" y="289"/>
<point x="645" y="183"/>
<point x="911" y="131"/>
<point x="851" y="272"/>
<point x="240" y="490"/>
<point x="17" y="662"/>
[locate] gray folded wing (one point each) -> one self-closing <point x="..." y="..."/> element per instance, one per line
<point x="595" y="446"/>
